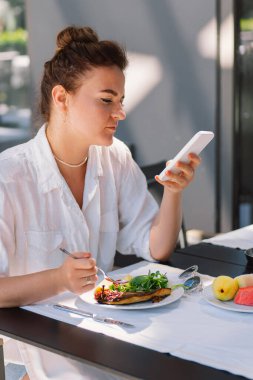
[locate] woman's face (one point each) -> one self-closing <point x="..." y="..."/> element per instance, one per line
<point x="94" y="110"/>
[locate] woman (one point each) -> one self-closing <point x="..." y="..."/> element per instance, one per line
<point x="76" y="186"/>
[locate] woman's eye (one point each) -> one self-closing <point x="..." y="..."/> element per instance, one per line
<point x="105" y="100"/>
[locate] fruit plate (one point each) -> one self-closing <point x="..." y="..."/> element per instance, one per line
<point x="175" y="295"/>
<point x="226" y="305"/>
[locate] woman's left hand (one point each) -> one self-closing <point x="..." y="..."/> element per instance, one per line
<point x="180" y="180"/>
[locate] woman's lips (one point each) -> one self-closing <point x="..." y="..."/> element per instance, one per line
<point x="112" y="127"/>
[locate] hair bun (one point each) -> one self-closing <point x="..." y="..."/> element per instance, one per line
<point x="74" y="34"/>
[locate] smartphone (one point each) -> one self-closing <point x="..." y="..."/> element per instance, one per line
<point x="195" y="145"/>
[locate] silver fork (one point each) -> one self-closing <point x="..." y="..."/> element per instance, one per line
<point x="105" y="275"/>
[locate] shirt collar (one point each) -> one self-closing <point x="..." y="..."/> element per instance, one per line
<point x="49" y="176"/>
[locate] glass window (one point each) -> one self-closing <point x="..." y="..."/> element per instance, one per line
<point x="244" y="105"/>
<point x="15" y="110"/>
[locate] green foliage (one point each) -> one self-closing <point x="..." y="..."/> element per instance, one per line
<point x="149" y="282"/>
<point x="16" y="3"/>
<point x="14" y="40"/>
<point x="246" y="24"/>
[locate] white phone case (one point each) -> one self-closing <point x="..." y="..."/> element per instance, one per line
<point x="195" y="145"/>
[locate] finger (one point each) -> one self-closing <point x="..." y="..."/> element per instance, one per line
<point x="81" y="255"/>
<point x="174" y="185"/>
<point x="86" y="288"/>
<point x="168" y="181"/>
<point x="86" y="272"/>
<point x="89" y="280"/>
<point x="159" y="181"/>
<point x="178" y="177"/>
<point x="83" y="288"/>
<point x="83" y="264"/>
<point x="195" y="159"/>
<point x="186" y="170"/>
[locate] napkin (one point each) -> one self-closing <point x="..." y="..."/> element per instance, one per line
<point x="189" y="328"/>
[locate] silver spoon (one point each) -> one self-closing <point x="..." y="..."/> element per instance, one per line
<point x="106" y="276"/>
<point x="189" y="271"/>
<point x="190" y="284"/>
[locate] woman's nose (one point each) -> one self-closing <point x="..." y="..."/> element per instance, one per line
<point x="119" y="114"/>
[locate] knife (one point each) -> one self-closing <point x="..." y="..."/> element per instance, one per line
<point x="95" y="317"/>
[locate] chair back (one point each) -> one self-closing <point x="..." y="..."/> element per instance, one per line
<point x="157" y="191"/>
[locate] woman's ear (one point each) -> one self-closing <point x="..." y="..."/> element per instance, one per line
<point x="59" y="96"/>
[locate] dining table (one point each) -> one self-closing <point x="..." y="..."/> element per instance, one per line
<point x="189" y="338"/>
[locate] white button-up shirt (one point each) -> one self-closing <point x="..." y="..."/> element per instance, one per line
<point x="38" y="213"/>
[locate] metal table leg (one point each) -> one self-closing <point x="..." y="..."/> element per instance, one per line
<point x="2" y="371"/>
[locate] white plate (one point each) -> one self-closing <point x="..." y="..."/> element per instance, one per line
<point x="227" y="305"/>
<point x="175" y="295"/>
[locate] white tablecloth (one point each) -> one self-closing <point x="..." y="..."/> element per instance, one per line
<point x="241" y="238"/>
<point x="189" y="328"/>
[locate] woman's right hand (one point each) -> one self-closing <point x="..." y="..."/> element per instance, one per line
<point x="79" y="274"/>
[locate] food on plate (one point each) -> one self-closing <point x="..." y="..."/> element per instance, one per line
<point x="239" y="289"/>
<point x="113" y="297"/>
<point x="244" y="296"/>
<point x="153" y="286"/>
<point x="245" y="280"/>
<point x="225" y="288"/>
<point x="128" y="277"/>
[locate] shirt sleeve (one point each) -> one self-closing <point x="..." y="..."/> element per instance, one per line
<point x="7" y="236"/>
<point x="137" y="209"/>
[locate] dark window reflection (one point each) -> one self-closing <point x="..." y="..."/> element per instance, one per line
<point x="244" y="80"/>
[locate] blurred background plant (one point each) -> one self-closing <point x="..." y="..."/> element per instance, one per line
<point x="14" y="40"/>
<point x="14" y="66"/>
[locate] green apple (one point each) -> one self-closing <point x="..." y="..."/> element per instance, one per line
<point x="245" y="280"/>
<point x="224" y="288"/>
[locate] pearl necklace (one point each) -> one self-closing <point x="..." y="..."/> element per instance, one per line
<point x="72" y="165"/>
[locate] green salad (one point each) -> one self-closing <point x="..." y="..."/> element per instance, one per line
<point x="143" y="283"/>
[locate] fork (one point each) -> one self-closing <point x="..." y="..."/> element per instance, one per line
<point x="109" y="278"/>
<point x="105" y="275"/>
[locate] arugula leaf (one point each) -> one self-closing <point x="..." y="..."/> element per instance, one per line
<point x="151" y="281"/>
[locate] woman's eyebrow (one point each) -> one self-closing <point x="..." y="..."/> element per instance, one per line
<point x="110" y="91"/>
